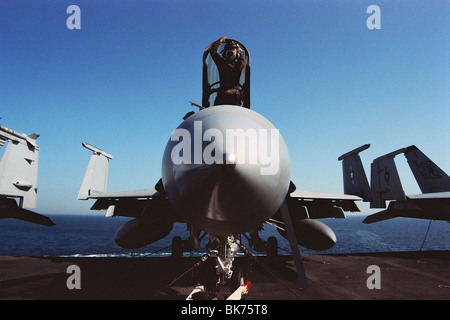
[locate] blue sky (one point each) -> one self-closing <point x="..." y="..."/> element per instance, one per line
<point x="123" y="81"/>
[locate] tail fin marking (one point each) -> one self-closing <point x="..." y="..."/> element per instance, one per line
<point x="429" y="176"/>
<point x="385" y="181"/>
<point x="355" y="179"/>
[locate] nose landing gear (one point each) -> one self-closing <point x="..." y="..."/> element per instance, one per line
<point x="228" y="248"/>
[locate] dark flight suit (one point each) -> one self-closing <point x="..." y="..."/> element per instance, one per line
<point x="229" y="73"/>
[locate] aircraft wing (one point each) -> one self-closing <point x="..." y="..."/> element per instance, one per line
<point x="135" y="203"/>
<point x="10" y="209"/>
<point x="379" y="216"/>
<point x="434" y="206"/>
<point x="430" y="196"/>
<point x="315" y="205"/>
<point x="19" y="177"/>
<point x="314" y="195"/>
<point x="143" y="202"/>
<point x="144" y="193"/>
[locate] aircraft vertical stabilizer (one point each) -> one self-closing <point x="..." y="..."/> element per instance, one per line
<point x="429" y="176"/>
<point x="19" y="167"/>
<point x="355" y="179"/>
<point x="385" y="181"/>
<point x="96" y="176"/>
<point x="19" y="177"/>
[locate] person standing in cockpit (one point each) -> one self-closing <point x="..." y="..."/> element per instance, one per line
<point x="230" y="66"/>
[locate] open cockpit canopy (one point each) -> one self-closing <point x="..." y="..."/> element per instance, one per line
<point x="216" y="81"/>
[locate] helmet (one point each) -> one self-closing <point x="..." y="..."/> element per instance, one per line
<point x="230" y="55"/>
<point x="231" y="51"/>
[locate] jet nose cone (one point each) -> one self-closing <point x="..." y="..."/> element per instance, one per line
<point x="229" y="172"/>
<point x="229" y="159"/>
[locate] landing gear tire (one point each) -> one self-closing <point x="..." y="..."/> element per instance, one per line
<point x="177" y="247"/>
<point x="272" y="247"/>
<point x="237" y="280"/>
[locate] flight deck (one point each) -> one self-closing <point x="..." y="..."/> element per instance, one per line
<point x="400" y="276"/>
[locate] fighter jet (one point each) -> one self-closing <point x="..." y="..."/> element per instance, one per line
<point x="18" y="177"/>
<point x="433" y="203"/>
<point x="225" y="172"/>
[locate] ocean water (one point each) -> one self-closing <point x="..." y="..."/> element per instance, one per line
<point x="93" y="236"/>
